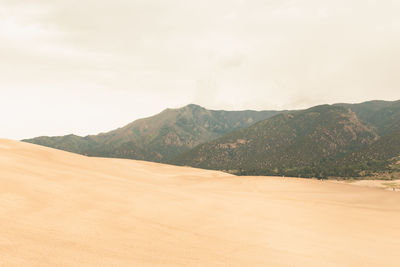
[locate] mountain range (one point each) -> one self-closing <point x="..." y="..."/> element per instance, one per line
<point x="340" y="140"/>
<point x="159" y="138"/>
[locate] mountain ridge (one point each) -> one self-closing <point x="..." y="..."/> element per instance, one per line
<point x="160" y="137"/>
<point x="339" y="140"/>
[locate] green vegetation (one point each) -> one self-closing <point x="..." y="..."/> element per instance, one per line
<point x="324" y="141"/>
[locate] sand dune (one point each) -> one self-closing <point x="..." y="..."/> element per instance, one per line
<point x="391" y="185"/>
<point x="63" y="209"/>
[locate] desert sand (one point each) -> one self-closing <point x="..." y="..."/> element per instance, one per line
<point x="391" y="185"/>
<point x="63" y="209"/>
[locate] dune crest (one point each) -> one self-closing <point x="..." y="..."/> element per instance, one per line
<point x="64" y="209"/>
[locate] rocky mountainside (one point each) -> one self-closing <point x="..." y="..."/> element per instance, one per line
<point x="294" y="143"/>
<point x="382" y="115"/>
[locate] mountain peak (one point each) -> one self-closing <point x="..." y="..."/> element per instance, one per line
<point x="193" y="106"/>
<point x="187" y="107"/>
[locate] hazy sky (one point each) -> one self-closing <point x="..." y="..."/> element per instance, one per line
<point x="69" y="66"/>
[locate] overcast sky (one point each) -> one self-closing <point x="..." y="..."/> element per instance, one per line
<point x="87" y="66"/>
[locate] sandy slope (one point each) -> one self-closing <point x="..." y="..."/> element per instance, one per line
<point x="62" y="209"/>
<point x="391" y="185"/>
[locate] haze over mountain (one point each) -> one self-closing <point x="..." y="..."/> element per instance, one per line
<point x="340" y="140"/>
<point x="100" y="66"/>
